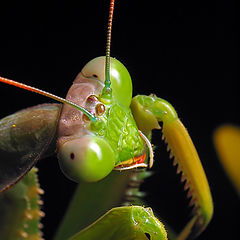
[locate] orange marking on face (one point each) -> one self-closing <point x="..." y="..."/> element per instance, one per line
<point x="132" y="161"/>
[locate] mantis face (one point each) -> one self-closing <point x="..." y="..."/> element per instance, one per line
<point x="84" y="147"/>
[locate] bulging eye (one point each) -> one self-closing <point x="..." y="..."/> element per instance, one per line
<point x="100" y="109"/>
<point x="121" y="82"/>
<point x="89" y="158"/>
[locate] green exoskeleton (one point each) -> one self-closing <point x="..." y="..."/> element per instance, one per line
<point x="98" y="129"/>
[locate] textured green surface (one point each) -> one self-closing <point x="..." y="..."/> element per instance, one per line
<point x="20" y="211"/>
<point x="122" y="133"/>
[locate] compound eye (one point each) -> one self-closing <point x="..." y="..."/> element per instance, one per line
<point x="121" y="82"/>
<point x="89" y="158"/>
<point x="100" y="109"/>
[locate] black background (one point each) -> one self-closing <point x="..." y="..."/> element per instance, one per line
<point x="184" y="51"/>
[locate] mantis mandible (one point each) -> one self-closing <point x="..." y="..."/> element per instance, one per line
<point x="101" y="128"/>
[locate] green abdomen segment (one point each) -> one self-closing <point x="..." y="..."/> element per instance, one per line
<point x="20" y="211"/>
<point x="123" y="134"/>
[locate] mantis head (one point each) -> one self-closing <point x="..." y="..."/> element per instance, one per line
<point x="112" y="140"/>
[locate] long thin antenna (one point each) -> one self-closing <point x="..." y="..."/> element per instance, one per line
<point x="107" y="91"/>
<point x="47" y="94"/>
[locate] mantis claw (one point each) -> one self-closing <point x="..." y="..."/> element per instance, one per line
<point x="185" y="155"/>
<point x="189" y="164"/>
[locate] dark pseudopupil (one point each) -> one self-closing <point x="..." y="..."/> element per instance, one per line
<point x="72" y="156"/>
<point x="147" y="235"/>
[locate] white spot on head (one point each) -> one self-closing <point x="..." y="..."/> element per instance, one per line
<point x="115" y="74"/>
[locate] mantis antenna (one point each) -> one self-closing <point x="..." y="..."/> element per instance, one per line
<point x="107" y="91"/>
<point x="47" y="94"/>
